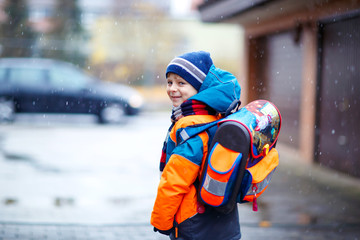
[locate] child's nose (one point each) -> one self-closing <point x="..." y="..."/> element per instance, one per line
<point x="173" y="88"/>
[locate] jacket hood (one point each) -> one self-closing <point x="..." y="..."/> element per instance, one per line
<point x="219" y="89"/>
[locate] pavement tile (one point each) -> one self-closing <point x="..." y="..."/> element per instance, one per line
<point x="307" y="202"/>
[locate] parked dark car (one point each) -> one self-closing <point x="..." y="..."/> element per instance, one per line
<point x="34" y="85"/>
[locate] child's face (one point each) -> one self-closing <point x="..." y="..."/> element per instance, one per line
<point x="178" y="89"/>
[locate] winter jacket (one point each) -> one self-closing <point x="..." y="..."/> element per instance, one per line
<point x="176" y="202"/>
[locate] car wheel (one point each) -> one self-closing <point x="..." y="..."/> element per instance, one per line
<point x="112" y="113"/>
<point x="7" y="110"/>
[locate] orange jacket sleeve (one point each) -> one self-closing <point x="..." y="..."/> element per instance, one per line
<point x="176" y="180"/>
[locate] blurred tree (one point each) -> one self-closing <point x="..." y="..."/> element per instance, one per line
<point x="67" y="36"/>
<point x="15" y="35"/>
<point x="58" y="35"/>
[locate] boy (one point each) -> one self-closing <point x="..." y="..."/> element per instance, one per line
<point x="199" y="92"/>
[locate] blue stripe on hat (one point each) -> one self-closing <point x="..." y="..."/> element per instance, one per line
<point x="192" y="67"/>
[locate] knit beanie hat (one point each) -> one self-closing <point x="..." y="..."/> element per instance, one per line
<point x="192" y="67"/>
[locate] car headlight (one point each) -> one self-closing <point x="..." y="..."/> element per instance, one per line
<point x="135" y="101"/>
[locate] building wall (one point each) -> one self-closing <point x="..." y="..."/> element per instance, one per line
<point x="339" y="96"/>
<point x="282" y="65"/>
<point x="281" y="69"/>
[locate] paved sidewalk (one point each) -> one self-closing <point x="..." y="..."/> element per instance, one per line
<point x="302" y="202"/>
<point x="37" y="231"/>
<point x="306" y="202"/>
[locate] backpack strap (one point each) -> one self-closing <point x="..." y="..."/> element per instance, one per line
<point x="194" y="130"/>
<point x="234" y="106"/>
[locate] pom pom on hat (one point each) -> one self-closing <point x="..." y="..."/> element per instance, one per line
<point x="193" y="67"/>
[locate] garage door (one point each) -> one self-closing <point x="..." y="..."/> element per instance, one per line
<point x="339" y="98"/>
<point x="281" y="68"/>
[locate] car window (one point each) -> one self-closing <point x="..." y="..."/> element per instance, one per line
<point x="2" y="75"/>
<point x="27" y="76"/>
<point x="67" y="78"/>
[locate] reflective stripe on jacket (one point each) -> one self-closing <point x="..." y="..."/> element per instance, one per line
<point x="176" y="197"/>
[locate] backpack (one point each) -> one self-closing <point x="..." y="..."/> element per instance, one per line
<point x="241" y="158"/>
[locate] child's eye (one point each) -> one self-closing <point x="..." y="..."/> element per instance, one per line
<point x="169" y="82"/>
<point x="182" y="83"/>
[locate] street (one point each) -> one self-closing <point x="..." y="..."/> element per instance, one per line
<point x="65" y="177"/>
<point x="68" y="171"/>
